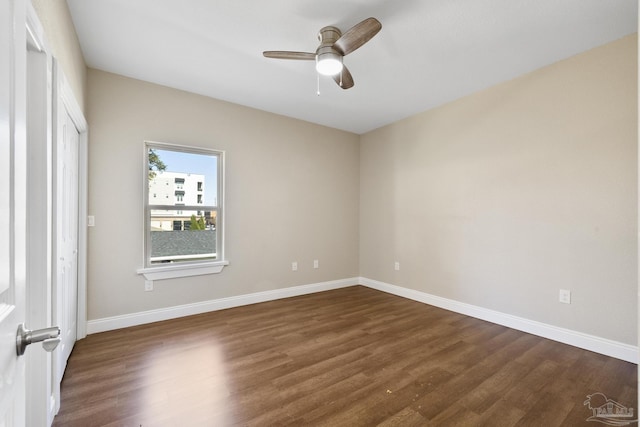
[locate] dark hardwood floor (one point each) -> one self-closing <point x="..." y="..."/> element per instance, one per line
<point x="348" y="357"/>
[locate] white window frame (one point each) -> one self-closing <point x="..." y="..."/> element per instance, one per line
<point x="183" y="269"/>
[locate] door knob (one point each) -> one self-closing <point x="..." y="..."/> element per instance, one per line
<point x="49" y="337"/>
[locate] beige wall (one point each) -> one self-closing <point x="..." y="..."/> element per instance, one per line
<point x="63" y="41"/>
<point x="291" y="195"/>
<point x="504" y="197"/>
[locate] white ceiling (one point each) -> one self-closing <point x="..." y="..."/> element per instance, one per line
<point x="429" y="52"/>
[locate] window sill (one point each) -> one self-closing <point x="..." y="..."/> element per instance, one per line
<point x="185" y="270"/>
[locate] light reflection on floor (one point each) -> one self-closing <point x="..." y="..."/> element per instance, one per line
<point x="167" y="397"/>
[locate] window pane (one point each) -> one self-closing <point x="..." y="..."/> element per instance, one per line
<point x="182" y="237"/>
<point x="182" y="177"/>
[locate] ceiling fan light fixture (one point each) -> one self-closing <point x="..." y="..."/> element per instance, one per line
<point x="328" y="63"/>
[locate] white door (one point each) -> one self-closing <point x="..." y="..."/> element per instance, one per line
<point x="67" y="237"/>
<point x="13" y="212"/>
<point x="41" y="398"/>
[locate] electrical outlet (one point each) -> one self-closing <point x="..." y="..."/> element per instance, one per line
<point x="148" y="285"/>
<point x="316" y="264"/>
<point x="294" y="266"/>
<point x="396" y="266"/>
<point x="565" y="296"/>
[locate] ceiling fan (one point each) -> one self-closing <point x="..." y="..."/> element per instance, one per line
<point x="333" y="47"/>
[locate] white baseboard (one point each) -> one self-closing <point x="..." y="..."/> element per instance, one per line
<point x="577" y="339"/>
<point x="141" y="318"/>
<point x="604" y="346"/>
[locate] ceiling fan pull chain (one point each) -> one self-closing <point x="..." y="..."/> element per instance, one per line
<point x="341" y="72"/>
<point x="317" y="84"/>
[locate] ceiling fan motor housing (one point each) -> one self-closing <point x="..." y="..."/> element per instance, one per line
<point x="329" y="35"/>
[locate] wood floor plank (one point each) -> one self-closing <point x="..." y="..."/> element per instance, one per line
<point x="348" y="357"/>
<point x="405" y="418"/>
<point x="500" y="414"/>
<point x="493" y="388"/>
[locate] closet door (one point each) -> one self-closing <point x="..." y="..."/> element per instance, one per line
<point x="66" y="195"/>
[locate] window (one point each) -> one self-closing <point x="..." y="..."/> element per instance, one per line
<point x="183" y="236"/>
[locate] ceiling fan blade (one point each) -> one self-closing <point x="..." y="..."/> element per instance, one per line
<point x="283" y="54"/>
<point x="344" y="78"/>
<point x="357" y="35"/>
